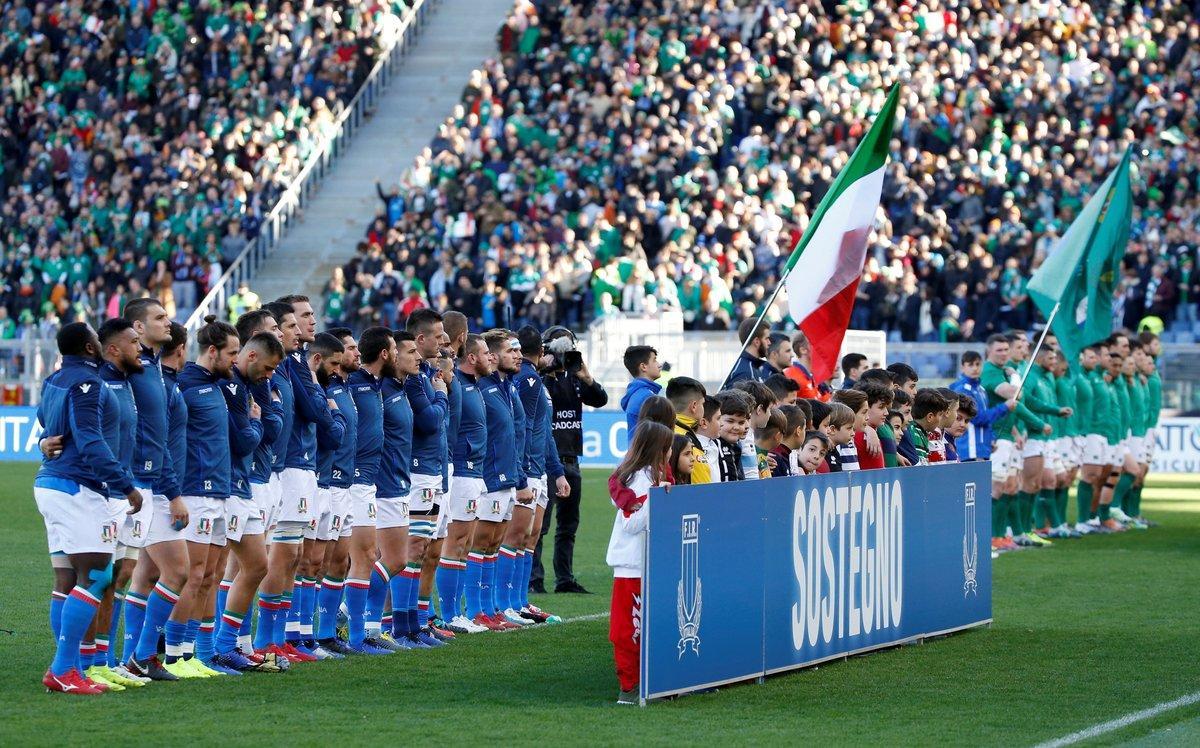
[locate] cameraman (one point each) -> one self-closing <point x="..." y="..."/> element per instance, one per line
<point x="571" y="387"/>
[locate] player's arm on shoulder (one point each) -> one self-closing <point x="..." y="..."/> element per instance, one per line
<point x="88" y="435"/>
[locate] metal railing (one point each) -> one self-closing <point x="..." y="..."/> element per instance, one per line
<point x="397" y="43"/>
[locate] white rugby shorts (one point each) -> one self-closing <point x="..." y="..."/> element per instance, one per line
<point x="206" y="520"/>
<point x="161" y="528"/>
<point x="425" y="494"/>
<point x="77" y="518"/>
<point x="343" y="511"/>
<point x="541" y="494"/>
<point x="466" y="493"/>
<point x="243" y="518"/>
<point x="320" y="517"/>
<point x="133" y="529"/>
<point x="391" y="511"/>
<point x="1095" y="450"/>
<point x="1005" y="460"/>
<point x="363" y="509"/>
<point x="298" y="493"/>
<point x="496" y="506"/>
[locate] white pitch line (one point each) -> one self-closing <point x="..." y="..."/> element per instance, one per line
<point x="1120" y="722"/>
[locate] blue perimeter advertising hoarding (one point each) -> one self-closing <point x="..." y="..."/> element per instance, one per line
<point x="604" y="439"/>
<point x="748" y="579"/>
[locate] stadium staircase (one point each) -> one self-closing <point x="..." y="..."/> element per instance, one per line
<point x="458" y="37"/>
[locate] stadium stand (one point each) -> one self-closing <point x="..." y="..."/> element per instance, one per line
<point x="668" y="160"/>
<point x="142" y="144"/>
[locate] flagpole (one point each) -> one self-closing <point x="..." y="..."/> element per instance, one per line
<point x="1036" y="349"/>
<point x="761" y="316"/>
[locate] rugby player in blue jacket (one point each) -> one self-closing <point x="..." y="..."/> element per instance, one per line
<point x="318" y="425"/>
<point x="393" y="483"/>
<point x="120" y="348"/>
<point x="205" y="487"/>
<point x="467" y="487"/>
<point x="153" y="464"/>
<point x="244" y="525"/>
<point x="542" y="467"/>
<point x="337" y="475"/>
<point x="377" y="349"/>
<point x="275" y="592"/>
<point x="71" y="489"/>
<point x="427" y="394"/>
<point x="503" y="476"/>
<point x="454" y="326"/>
<point x="166" y="539"/>
<point x="258" y="475"/>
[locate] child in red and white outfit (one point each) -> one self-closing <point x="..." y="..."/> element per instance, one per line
<point x="645" y="466"/>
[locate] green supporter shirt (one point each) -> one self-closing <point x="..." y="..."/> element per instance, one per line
<point x="890" y="459"/>
<point x="1154" y="385"/>
<point x="1039" y="397"/>
<point x="1085" y="420"/>
<point x="1064" y="395"/>
<point x="1121" y="395"/>
<point x="1104" y="406"/>
<point x="1139" y="405"/>
<point x="920" y="441"/>
<point x="1022" y="418"/>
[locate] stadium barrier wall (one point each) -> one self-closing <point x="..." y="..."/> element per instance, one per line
<point x="604" y="439"/>
<point x="748" y="579"/>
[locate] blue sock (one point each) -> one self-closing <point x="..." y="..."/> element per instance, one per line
<point x="282" y="614"/>
<point x="222" y="596"/>
<point x="376" y="594"/>
<point x="412" y="605"/>
<point x="158" y="609"/>
<point x="473" y="584"/>
<point x="268" y="611"/>
<point x="248" y="619"/>
<point x="291" y="627"/>
<point x="356" y="605"/>
<point x="114" y="624"/>
<point x="423" y="612"/>
<point x="87" y="655"/>
<point x="487" y="585"/>
<point x="308" y="607"/>
<point x="446" y="579"/>
<point x="231" y="624"/>
<point x="524" y="569"/>
<point x="78" y="610"/>
<point x="400" y="586"/>
<point x="174" y="633"/>
<point x="506" y="563"/>
<point x="56" y="607"/>
<point x="189" y="636"/>
<point x="204" y="640"/>
<point x="135" y="619"/>
<point x="328" y="602"/>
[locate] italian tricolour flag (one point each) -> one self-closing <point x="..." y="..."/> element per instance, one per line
<point x="823" y="272"/>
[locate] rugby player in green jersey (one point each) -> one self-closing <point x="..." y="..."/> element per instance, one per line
<point x="999" y="382"/>
<point x="1152" y="347"/>
<point x="1039" y="475"/>
<point x="1093" y="447"/>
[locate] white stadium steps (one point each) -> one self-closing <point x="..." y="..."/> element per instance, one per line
<point x="458" y="37"/>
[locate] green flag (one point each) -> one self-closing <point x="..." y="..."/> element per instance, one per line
<point x="1080" y="275"/>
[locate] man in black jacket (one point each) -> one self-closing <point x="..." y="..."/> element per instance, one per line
<point x="571" y="387"/>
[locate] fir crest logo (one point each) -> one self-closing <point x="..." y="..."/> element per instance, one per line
<point x="204" y="526"/>
<point x="302" y="506"/>
<point x="688" y="602"/>
<point x="970" y="542"/>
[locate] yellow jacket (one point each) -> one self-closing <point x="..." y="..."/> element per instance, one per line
<point x="701" y="470"/>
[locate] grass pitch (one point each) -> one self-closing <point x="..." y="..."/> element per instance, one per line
<point x="1085" y="632"/>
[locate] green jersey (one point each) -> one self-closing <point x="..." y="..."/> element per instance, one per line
<point x="1120" y="387"/>
<point x="1104" y="406"/>
<point x="1021" y="419"/>
<point x="1154" y="386"/>
<point x="1085" y="420"/>
<point x="1039" y="397"/>
<point x="1139" y="401"/>
<point x="920" y="440"/>
<point x="1064" y="394"/>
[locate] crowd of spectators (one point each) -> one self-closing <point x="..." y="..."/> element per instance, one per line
<point x="635" y="156"/>
<point x="142" y="143"/>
